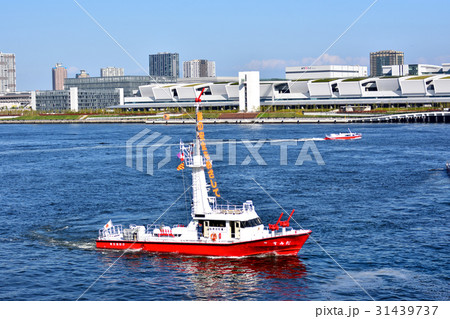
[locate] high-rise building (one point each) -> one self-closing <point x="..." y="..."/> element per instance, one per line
<point x="211" y="69"/>
<point x="111" y="71"/>
<point x="82" y="74"/>
<point x="199" y="69"/>
<point x="59" y="73"/>
<point x="386" y="57"/>
<point x="7" y="72"/>
<point x="164" y="64"/>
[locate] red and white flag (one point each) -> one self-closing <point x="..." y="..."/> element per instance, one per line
<point x="108" y="225"/>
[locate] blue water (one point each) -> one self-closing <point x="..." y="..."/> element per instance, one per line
<point x="380" y="207"/>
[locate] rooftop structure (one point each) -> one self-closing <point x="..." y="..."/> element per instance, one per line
<point x="82" y="74"/>
<point x="325" y="71"/>
<point x="414" y="69"/>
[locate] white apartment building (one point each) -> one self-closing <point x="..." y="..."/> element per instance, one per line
<point x="7" y="72"/>
<point x="111" y="71"/>
<point x="199" y="69"/>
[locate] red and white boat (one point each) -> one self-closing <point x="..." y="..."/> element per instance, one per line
<point x="344" y="136"/>
<point x="215" y="230"/>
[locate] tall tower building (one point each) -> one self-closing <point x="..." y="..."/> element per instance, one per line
<point x="211" y="69"/>
<point x="164" y="64"/>
<point x="7" y="72"/>
<point x="386" y="57"/>
<point x="59" y="73"/>
<point x="199" y="69"/>
<point x="111" y="71"/>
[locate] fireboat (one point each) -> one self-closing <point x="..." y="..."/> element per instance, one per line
<point x="215" y="230"/>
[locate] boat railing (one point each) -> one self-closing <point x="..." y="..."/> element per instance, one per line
<point x="188" y="155"/>
<point x="151" y="227"/>
<point x="229" y="209"/>
<point x="280" y="229"/>
<point x="187" y="151"/>
<point x="115" y="230"/>
<point x="233" y="209"/>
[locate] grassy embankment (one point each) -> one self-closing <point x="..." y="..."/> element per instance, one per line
<point x="267" y="112"/>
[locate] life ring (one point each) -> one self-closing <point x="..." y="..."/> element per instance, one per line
<point x="213" y="236"/>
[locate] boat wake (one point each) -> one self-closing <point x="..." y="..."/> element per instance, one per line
<point x="48" y="240"/>
<point x="391" y="284"/>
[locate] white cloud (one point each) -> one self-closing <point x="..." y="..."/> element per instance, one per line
<point x="437" y="60"/>
<point x="328" y="59"/>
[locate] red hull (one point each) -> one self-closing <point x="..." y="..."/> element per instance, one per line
<point x="280" y="245"/>
<point x="344" y="138"/>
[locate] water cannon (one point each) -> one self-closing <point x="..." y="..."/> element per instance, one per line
<point x="285" y="223"/>
<point x="275" y="226"/>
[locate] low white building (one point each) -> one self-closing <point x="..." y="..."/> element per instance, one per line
<point x="15" y="100"/>
<point x="75" y="99"/>
<point x="413" y="69"/>
<point x="248" y="93"/>
<point x="325" y="72"/>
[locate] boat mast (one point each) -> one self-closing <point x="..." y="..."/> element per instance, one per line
<point x="197" y="110"/>
<point x="200" y="204"/>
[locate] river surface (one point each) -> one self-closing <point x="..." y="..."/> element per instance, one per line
<point x="378" y="207"/>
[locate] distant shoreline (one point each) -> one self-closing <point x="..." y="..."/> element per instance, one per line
<point x="445" y="119"/>
<point x="436" y="116"/>
<point x="181" y="121"/>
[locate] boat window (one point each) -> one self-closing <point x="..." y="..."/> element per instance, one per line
<point x="217" y="223"/>
<point x="251" y="223"/>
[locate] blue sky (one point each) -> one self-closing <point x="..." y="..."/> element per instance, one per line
<point x="240" y="35"/>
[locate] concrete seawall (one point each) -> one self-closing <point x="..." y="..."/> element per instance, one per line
<point x="180" y="121"/>
<point x="424" y="117"/>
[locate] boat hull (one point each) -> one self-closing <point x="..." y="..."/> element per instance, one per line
<point x="278" y="245"/>
<point x="344" y="138"/>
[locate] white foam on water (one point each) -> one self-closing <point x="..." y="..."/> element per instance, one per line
<point x="387" y="281"/>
